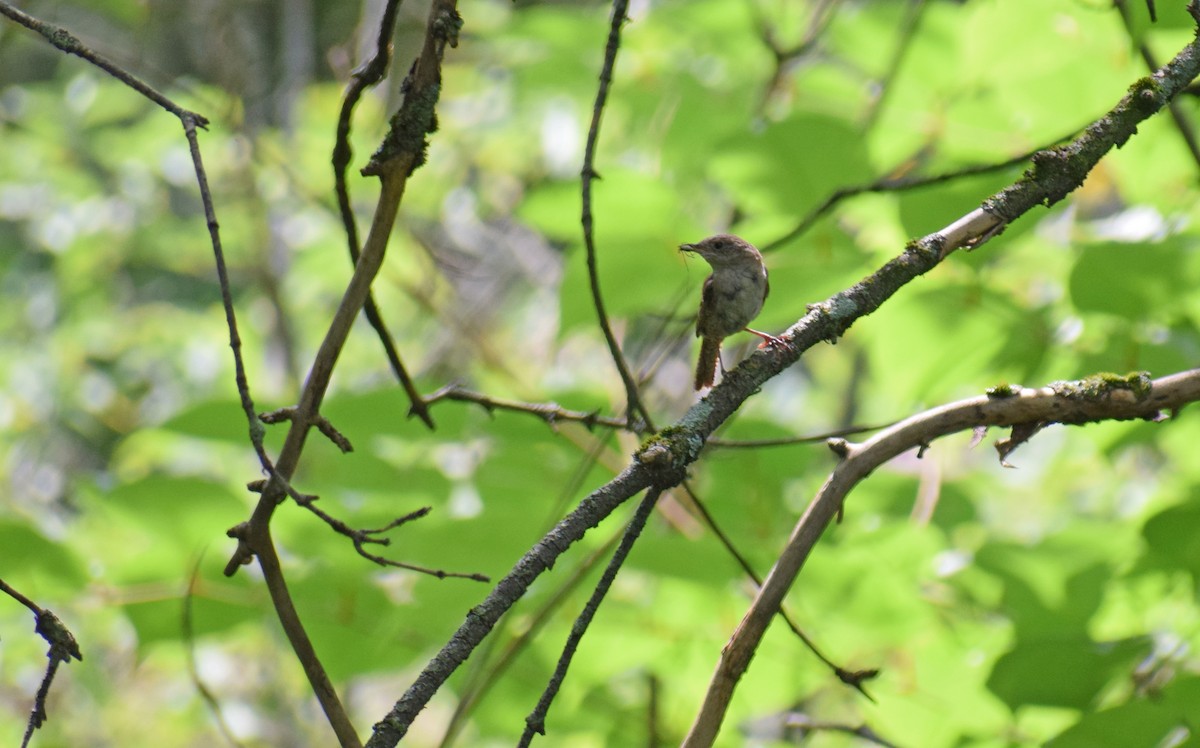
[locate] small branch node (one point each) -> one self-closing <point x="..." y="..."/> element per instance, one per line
<point x="282" y="415"/>
<point x="332" y="434"/>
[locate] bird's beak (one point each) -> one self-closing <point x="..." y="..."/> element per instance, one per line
<point x="687" y="247"/>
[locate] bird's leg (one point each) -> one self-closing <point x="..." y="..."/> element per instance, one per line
<point x="768" y="339"/>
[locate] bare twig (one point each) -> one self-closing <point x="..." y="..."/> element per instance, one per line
<point x="1104" y="397"/>
<point x="551" y="413"/>
<point x="63" y="648"/>
<point x="536" y="721"/>
<point x="360" y="537"/>
<point x="905" y="35"/>
<point x="67" y="42"/>
<point x="901" y="184"/>
<point x="189" y="648"/>
<point x="366" y="75"/>
<point x="634" y="406"/>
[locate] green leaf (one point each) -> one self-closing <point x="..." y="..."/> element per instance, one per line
<point x="791" y="165"/>
<point x="1067" y="672"/>
<point x="32" y="558"/>
<point x="1161" y="719"/>
<point x="1173" y="539"/>
<point x="1134" y="281"/>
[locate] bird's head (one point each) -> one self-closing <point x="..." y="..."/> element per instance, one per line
<point x="722" y="250"/>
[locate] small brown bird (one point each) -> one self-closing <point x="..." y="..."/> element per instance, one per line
<point x="733" y="296"/>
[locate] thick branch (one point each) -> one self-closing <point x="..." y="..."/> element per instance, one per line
<point x="370" y="73"/>
<point x="402" y="151"/>
<point x="1100" y="398"/>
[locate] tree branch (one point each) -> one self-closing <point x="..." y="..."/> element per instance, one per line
<point x="634" y="402"/>
<point x="663" y="459"/>
<point x="63" y="648"/>
<point x="1100" y="398"/>
<point x="480" y="619"/>
<point x="369" y="74"/>
<point x="536" y="721"/>
<point x="402" y="151"/>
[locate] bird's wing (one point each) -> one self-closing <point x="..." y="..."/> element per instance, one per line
<point x="706" y="301"/>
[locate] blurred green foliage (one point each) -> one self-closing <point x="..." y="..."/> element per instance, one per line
<point x="1052" y="604"/>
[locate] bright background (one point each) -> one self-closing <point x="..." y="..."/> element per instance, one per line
<point x="1054" y="602"/>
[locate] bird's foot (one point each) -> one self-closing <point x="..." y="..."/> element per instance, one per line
<point x="768" y="339"/>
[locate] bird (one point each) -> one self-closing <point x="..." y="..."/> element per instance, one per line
<point x="733" y="296"/>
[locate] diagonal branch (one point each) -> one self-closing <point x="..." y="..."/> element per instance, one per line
<point x="536" y="721"/>
<point x="1100" y="398"/>
<point x="663" y="459"/>
<point x="899" y="184"/>
<point x="481" y="618"/>
<point x="67" y="42"/>
<point x="1178" y="116"/>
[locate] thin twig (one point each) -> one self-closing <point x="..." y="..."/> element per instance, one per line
<point x="360" y="538"/>
<point x="852" y="678"/>
<point x="67" y="42"/>
<point x="63" y="648"/>
<point x="536" y="721"/>
<point x="634" y="405"/>
<point x="257" y="432"/>
<point x="901" y="184"/>
<point x="908" y="31"/>
<point x="551" y="413"/>
<point x="189" y="649"/>
<point x="366" y="75"/>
